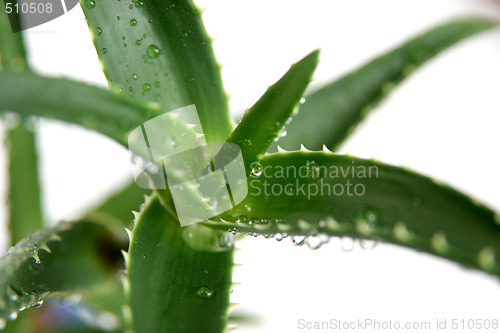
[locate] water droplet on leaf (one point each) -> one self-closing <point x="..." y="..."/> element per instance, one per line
<point x="205" y="292"/>
<point x="257" y="169"/>
<point x="347" y="244"/>
<point x="133" y="22"/>
<point x="312" y="170"/>
<point x="298" y="240"/>
<point x="368" y="244"/>
<point x="153" y="51"/>
<point x="37" y="303"/>
<point x="90" y="4"/>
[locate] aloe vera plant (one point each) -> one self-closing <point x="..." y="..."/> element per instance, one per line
<point x="161" y="277"/>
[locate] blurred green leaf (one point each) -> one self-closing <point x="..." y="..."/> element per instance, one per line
<point x="331" y="113"/>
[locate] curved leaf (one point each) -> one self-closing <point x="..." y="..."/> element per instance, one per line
<point x="12" y="51"/>
<point x="25" y="211"/>
<point x="331" y="113"/>
<point x="264" y="121"/>
<point x="102" y="110"/>
<point x="24" y="184"/>
<point x="158" y="50"/>
<point x="178" y="279"/>
<point x="76" y="256"/>
<point x="307" y="193"/>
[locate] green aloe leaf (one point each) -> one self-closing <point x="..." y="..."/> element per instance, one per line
<point x="335" y="110"/>
<point x="178" y="279"/>
<point x="102" y="110"/>
<point x="158" y="50"/>
<point x="322" y="194"/>
<point x="264" y="121"/>
<point x="76" y="256"/>
<point x="24" y="185"/>
<point x="12" y="51"/>
<point x="25" y="211"/>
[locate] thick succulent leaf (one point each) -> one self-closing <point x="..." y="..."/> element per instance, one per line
<point x="265" y="120"/>
<point x="178" y="279"/>
<point x="75" y="257"/>
<point x="335" y="110"/>
<point x="310" y="193"/>
<point x="12" y="51"/>
<point x="158" y="50"/>
<point x="102" y="110"/>
<point x="25" y="212"/>
<point x="24" y="186"/>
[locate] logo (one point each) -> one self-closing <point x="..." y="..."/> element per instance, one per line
<point x="35" y="12"/>
<point x="170" y="151"/>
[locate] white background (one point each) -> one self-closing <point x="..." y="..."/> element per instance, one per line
<point x="443" y="122"/>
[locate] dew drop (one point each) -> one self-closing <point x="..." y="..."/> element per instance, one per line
<point x="347" y="244"/>
<point x="124" y="44"/>
<point x="13" y="315"/>
<point x="278" y="237"/>
<point x="368" y="244"/>
<point x="157" y="84"/>
<point x="366" y="220"/>
<point x="312" y="170"/>
<point x="146" y="87"/>
<point x="131" y="6"/>
<point x="401" y="232"/>
<point x="133" y="22"/>
<point x="246" y="142"/>
<point x="99" y="31"/>
<point x="37" y="303"/>
<point x="138" y="42"/>
<point x="439" y="242"/>
<point x="257" y="169"/>
<point x="314" y="241"/>
<point x="104" y="50"/>
<point x="487" y="258"/>
<point x="302" y="100"/>
<point x="205" y="292"/>
<point x="226" y="240"/>
<point x="150" y="20"/>
<point x="243" y="219"/>
<point x="139" y="4"/>
<point x="298" y="240"/>
<point x="153" y="51"/>
<point x="118" y="18"/>
<point x="90" y="4"/>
